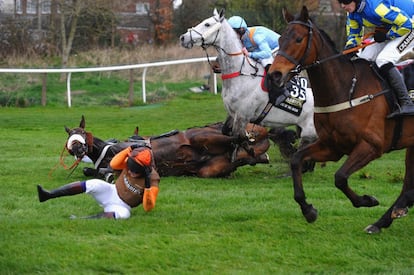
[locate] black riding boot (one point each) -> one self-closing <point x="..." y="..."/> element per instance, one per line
<point x="66" y="190"/>
<point x="395" y="80"/>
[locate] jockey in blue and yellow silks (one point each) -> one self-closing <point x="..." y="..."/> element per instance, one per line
<point x="393" y="20"/>
<point x="259" y="42"/>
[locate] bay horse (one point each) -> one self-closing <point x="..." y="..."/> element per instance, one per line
<point x="350" y="113"/>
<point x="243" y="93"/>
<point x="199" y="151"/>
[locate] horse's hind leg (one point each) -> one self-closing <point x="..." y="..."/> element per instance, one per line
<point x="362" y="154"/>
<point x="404" y="199"/>
<point x="308" y="166"/>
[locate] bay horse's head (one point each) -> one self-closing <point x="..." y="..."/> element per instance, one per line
<point x="297" y="48"/>
<point x="77" y="142"/>
<point x="205" y="34"/>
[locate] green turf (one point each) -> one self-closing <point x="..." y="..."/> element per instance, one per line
<point x="245" y="224"/>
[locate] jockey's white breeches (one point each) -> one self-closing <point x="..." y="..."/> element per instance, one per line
<point x="390" y="50"/>
<point x="106" y="195"/>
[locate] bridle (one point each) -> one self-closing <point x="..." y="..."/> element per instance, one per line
<point x="75" y="139"/>
<point x="216" y="29"/>
<point x="299" y="63"/>
<point x="299" y="66"/>
<point x="78" y="139"/>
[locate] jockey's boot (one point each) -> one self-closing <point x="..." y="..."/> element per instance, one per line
<point x="70" y="189"/>
<point x="395" y="80"/>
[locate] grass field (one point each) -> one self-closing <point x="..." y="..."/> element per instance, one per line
<point x="245" y="224"/>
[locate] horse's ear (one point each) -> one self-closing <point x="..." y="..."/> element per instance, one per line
<point x="215" y="12"/>
<point x="82" y="123"/>
<point x="304" y="14"/>
<point x="67" y="129"/>
<point x="222" y="11"/>
<point x="287" y="16"/>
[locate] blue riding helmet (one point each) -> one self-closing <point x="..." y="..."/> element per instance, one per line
<point x="236" y="22"/>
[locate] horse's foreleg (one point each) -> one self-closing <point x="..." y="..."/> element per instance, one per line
<point x="315" y="152"/>
<point x="227" y="126"/>
<point x="405" y="199"/>
<point x="363" y="154"/>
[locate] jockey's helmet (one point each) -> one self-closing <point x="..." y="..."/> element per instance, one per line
<point x="347" y="2"/>
<point x="238" y="24"/>
<point x="138" y="160"/>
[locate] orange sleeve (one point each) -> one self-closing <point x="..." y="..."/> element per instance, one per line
<point x="150" y="197"/>
<point x="118" y="162"/>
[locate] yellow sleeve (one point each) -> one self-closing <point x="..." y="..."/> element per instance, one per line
<point x="150" y="197"/>
<point x="118" y="162"/>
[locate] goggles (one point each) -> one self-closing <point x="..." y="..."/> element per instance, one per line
<point x="345" y="2"/>
<point x="240" y="31"/>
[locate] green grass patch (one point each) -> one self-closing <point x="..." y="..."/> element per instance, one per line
<point x="245" y="224"/>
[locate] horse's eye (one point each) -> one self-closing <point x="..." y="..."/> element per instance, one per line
<point x="299" y="40"/>
<point x="207" y="25"/>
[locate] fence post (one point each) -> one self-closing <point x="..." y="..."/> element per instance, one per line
<point x="144" y="92"/>
<point x="131" y="88"/>
<point x="68" y="89"/>
<point x="44" y="89"/>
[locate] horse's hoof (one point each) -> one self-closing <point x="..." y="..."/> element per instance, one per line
<point x="372" y="229"/>
<point x="371" y="201"/>
<point x="399" y="212"/>
<point x="89" y="172"/>
<point x="311" y="214"/>
<point x="367" y="201"/>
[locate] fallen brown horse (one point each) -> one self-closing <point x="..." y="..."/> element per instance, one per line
<point x="199" y="151"/>
<point x="350" y="113"/>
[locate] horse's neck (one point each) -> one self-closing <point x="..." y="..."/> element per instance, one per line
<point x="230" y="54"/>
<point x="331" y="80"/>
<point x="97" y="147"/>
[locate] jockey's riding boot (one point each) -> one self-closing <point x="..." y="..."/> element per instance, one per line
<point x="66" y="190"/>
<point x="395" y="80"/>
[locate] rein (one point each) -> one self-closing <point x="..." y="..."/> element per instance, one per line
<point x="299" y="67"/>
<point x="62" y="163"/>
<point x="216" y="28"/>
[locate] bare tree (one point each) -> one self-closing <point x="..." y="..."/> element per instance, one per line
<point x="68" y="14"/>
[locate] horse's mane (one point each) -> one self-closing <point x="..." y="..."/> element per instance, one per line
<point x="327" y="38"/>
<point x="323" y="33"/>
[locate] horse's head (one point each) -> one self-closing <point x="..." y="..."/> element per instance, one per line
<point x="76" y="143"/>
<point x="296" y="48"/>
<point x="205" y="34"/>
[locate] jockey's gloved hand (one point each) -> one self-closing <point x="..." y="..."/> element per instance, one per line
<point x="380" y="36"/>
<point x="351" y="54"/>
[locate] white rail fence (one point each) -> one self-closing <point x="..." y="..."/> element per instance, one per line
<point x="144" y="66"/>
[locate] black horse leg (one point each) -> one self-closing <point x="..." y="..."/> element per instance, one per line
<point x="405" y="199"/>
<point x="227" y="126"/>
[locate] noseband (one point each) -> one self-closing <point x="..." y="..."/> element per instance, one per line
<point x="81" y="138"/>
